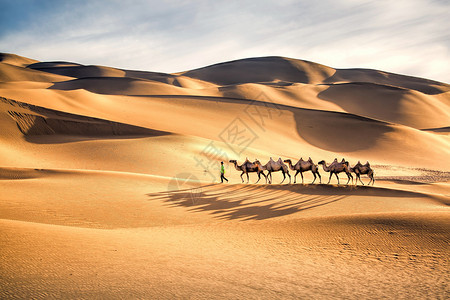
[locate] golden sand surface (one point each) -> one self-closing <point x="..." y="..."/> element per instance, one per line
<point x="109" y="182"/>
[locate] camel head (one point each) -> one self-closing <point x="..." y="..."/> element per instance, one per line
<point x="288" y="161"/>
<point x="259" y="164"/>
<point x="233" y="161"/>
<point x="322" y="162"/>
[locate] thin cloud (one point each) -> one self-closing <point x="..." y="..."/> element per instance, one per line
<point x="409" y="37"/>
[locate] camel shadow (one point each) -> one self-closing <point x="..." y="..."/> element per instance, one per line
<point x="247" y="202"/>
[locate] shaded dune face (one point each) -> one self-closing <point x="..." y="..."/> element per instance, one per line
<point x="422" y="85"/>
<point x="118" y="86"/>
<point x="389" y="103"/>
<point x="76" y="70"/>
<point x="339" y="132"/>
<point x="39" y="121"/>
<point x="265" y="69"/>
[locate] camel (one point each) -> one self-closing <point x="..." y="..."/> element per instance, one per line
<point x="303" y="166"/>
<point x="249" y="167"/>
<point x="275" y="166"/>
<point x="336" y="168"/>
<point x="360" y="169"/>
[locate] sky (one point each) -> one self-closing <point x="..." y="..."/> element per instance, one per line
<point x="410" y="37"/>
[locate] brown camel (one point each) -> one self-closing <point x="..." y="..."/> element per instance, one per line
<point x="275" y="166"/>
<point x="304" y="166"/>
<point x="360" y="169"/>
<point x="336" y="168"/>
<point x="249" y="167"/>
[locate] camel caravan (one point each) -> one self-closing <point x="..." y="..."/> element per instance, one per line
<point x="304" y="166"/>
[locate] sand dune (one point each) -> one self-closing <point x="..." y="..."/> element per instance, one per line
<point x="265" y="69"/>
<point x="14" y="73"/>
<point x="406" y="107"/>
<point x="76" y="70"/>
<point x="425" y="86"/>
<point x="109" y="182"/>
<point x="16" y="60"/>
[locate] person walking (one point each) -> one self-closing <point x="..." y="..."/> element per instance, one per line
<point x="222" y="172"/>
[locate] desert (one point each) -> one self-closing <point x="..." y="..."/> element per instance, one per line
<point x="110" y="182"/>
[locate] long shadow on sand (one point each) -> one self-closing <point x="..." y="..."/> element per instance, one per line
<point x="259" y="202"/>
<point x="247" y="202"/>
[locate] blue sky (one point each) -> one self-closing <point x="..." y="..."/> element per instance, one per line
<point x="403" y="36"/>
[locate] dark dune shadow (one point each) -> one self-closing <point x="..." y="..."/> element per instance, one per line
<point x="338" y="132"/>
<point x="72" y="69"/>
<point x="438" y="130"/>
<point x="103" y="85"/>
<point x="47" y="126"/>
<point x="422" y="85"/>
<point x="40" y="130"/>
<point x="367" y="99"/>
<point x="250" y="70"/>
<point x="259" y="202"/>
<point x="76" y="70"/>
<point x="248" y="202"/>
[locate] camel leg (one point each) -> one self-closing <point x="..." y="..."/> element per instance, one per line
<point x="289" y="177"/>
<point x="337" y="177"/>
<point x="259" y="177"/>
<point x="349" y="176"/>
<point x="269" y="176"/>
<point x="329" y="179"/>
<point x="301" y="173"/>
<point x="320" y="177"/>
<point x="314" y="177"/>
<point x="284" y="177"/>
<point x="248" y="178"/>
<point x="372" y="179"/>
<point x="359" y="177"/>
<point x="264" y="176"/>
<point x="241" y="176"/>
<point x="295" y="176"/>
